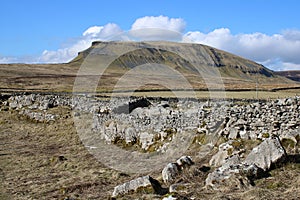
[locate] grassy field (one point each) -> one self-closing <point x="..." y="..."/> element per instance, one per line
<point x="49" y="161"/>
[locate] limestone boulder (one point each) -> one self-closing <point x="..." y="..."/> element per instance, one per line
<point x="139" y="183"/>
<point x="269" y="152"/>
<point x="228" y="177"/>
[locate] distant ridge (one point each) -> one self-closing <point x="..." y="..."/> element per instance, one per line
<point x="291" y="74"/>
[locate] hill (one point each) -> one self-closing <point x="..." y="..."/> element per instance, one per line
<point x="201" y="65"/>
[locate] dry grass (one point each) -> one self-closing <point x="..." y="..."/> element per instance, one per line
<point x="48" y="161"/>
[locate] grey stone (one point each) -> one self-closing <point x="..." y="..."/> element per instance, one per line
<point x="138" y="183"/>
<point x="267" y="153"/>
<point x="233" y="133"/>
<point x="146" y="140"/>
<point x="231" y="161"/>
<point x="170" y="172"/>
<point x="219" y="158"/>
<point x="185" y="161"/>
<point x="130" y="135"/>
<point x="237" y="176"/>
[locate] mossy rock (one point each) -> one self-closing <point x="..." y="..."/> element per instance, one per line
<point x="230" y="151"/>
<point x="265" y="135"/>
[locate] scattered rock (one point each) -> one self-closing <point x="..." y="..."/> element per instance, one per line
<point x="38" y="116"/>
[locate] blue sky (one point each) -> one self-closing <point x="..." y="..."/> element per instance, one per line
<point x="267" y="31"/>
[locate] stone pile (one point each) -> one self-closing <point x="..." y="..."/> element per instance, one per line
<point x="151" y="124"/>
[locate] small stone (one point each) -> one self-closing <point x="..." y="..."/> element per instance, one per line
<point x="219" y="158"/>
<point x="233" y="133"/>
<point x="185" y="161"/>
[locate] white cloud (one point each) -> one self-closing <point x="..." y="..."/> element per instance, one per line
<point x="290" y="66"/>
<point x="218" y="38"/>
<point x="92" y="31"/>
<point x="91" y="34"/>
<point x="7" y="59"/>
<point x="154" y="28"/>
<point x="158" y="28"/>
<point x="280" y="48"/>
<point x="160" y="22"/>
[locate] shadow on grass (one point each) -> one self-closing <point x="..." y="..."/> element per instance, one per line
<point x="293" y="158"/>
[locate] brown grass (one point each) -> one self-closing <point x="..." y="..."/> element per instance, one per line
<point x="48" y="161"/>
